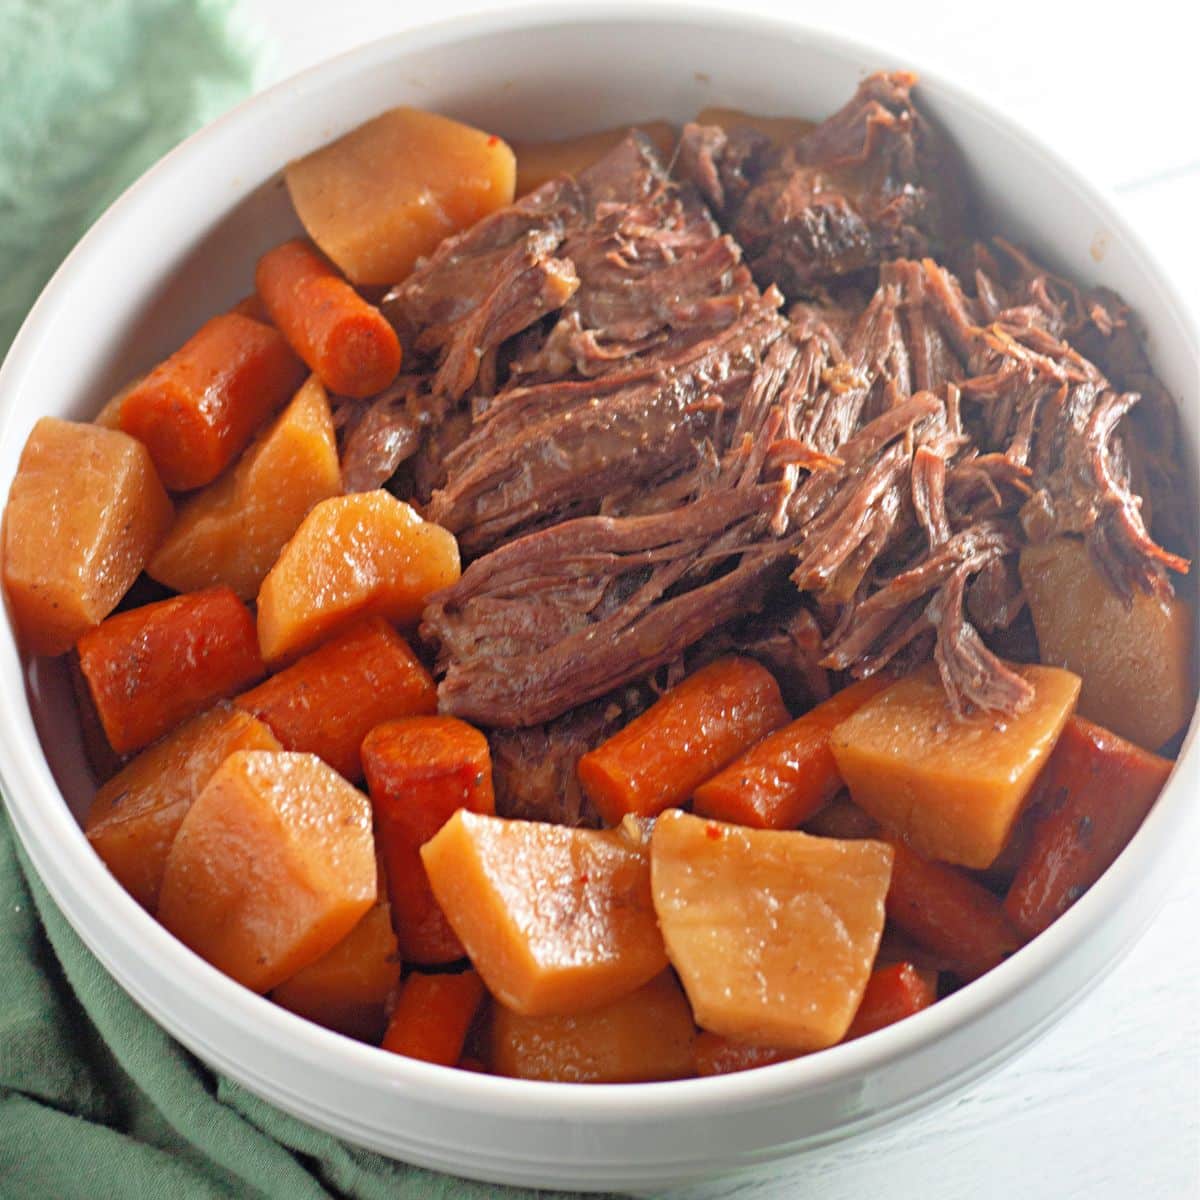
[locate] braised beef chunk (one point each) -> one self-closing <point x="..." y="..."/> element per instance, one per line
<point x="634" y="379"/>
<point x="647" y="463"/>
<point x="380" y="434"/>
<point x="569" y="613"/>
<point x="874" y="181"/>
<point x="656" y="274"/>
<point x="485" y="285"/>
<point x="559" y="449"/>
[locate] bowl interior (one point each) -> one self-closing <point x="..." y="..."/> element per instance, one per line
<point x="182" y="244"/>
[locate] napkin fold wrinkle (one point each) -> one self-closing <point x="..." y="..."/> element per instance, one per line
<point x="96" y="1100"/>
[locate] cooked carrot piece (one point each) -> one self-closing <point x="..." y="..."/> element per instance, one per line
<point x="896" y="946"/>
<point x="109" y="417"/>
<point x="661" y="757"/>
<point x="347" y="342"/>
<point x="420" y="772"/>
<point x="432" y="1016"/>
<point x="952" y="787"/>
<point x="329" y="700"/>
<point x="773" y="932"/>
<point x="152" y="667"/>
<point x="791" y="774"/>
<point x="252" y="306"/>
<point x="102" y="760"/>
<point x="645" y="1035"/>
<point x="1095" y="793"/>
<point x="197" y="410"/>
<point x="353" y="556"/>
<point x="842" y="818"/>
<point x="713" y="1054"/>
<point x="556" y="920"/>
<point x="944" y="909"/>
<point x="232" y="531"/>
<point x="273" y="865"/>
<point x="893" y="993"/>
<point x="539" y="162"/>
<point x="347" y="988"/>
<point x="135" y="816"/>
<point x="85" y="511"/>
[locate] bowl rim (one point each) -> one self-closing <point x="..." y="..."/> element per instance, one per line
<point x="25" y="772"/>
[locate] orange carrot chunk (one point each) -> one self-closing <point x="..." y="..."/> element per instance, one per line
<point x="252" y="306"/>
<point x="717" y="1055"/>
<point x="661" y="757"/>
<point x="893" y="993"/>
<point x="328" y="701"/>
<point x="945" y="910"/>
<point x="198" y="410"/>
<point x="432" y="1016"/>
<point x="154" y="666"/>
<point x="791" y="774"/>
<point x="420" y="772"/>
<point x="1094" y="794"/>
<point x="347" y="342"/>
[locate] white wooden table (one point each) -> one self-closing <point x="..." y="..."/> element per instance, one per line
<point x="1107" y="1105"/>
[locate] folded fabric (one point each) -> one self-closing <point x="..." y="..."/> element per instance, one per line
<point x="93" y="94"/>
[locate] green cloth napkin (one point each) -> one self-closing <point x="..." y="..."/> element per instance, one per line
<point x="97" y="1101"/>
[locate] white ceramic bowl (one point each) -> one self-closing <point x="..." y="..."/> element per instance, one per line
<point x="181" y="244"/>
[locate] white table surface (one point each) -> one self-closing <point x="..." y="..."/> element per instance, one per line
<point x="1107" y="1105"/>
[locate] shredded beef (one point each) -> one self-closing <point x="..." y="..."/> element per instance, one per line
<point x="647" y="463"/>
<point x="377" y="436"/>
<point x="874" y="181"/>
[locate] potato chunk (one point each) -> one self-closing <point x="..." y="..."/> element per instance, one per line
<point x="556" y="920"/>
<point x="1135" y="661"/>
<point x="273" y="865"/>
<point x="347" y="988"/>
<point x="773" y="933"/>
<point x="539" y="162"/>
<point x="388" y="192"/>
<point x="368" y="554"/>
<point x="85" y="511"/>
<point x="643" y="1036"/>
<point x="136" y="814"/>
<point x="952" y="788"/>
<point x="233" y="530"/>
